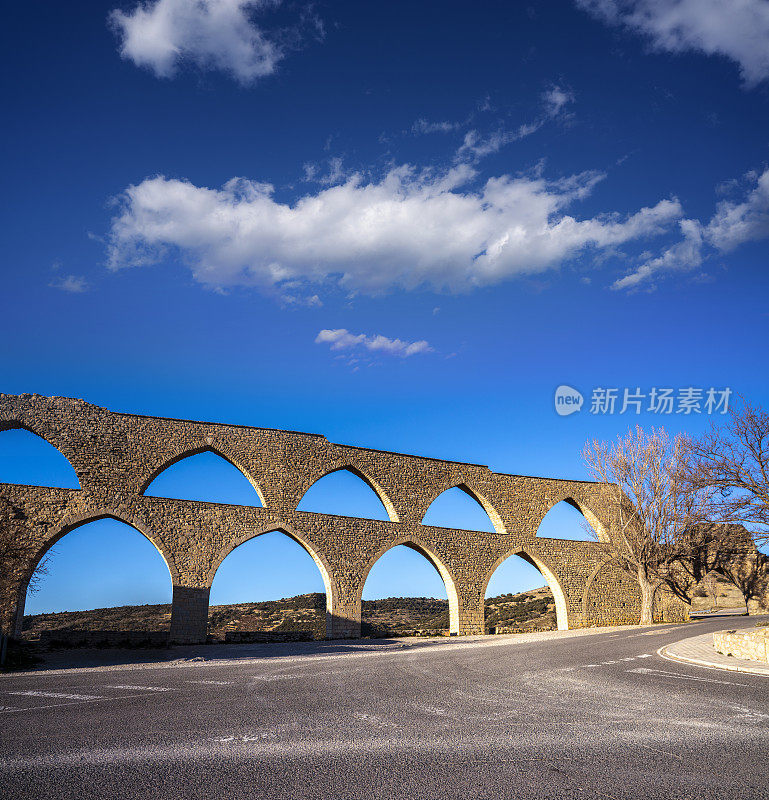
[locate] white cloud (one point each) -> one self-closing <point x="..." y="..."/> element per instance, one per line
<point x="736" y="29"/>
<point x="682" y="256"/>
<point x="734" y="223"/>
<point x="212" y="34"/>
<point x="75" y="284"/>
<point x="409" y="229"/>
<point x="342" y="339"/>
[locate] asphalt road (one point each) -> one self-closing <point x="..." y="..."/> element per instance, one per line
<point x="595" y="716"/>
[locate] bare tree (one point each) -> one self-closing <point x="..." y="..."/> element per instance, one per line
<point x="653" y="506"/>
<point x="708" y="548"/>
<point x="711" y="588"/>
<point x="733" y="459"/>
<point x="692" y="554"/>
<point x="749" y="572"/>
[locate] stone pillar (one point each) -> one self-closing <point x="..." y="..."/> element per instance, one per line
<point x="189" y="615"/>
<point x="470" y="611"/>
<point x="13" y="596"/>
<point x="343" y="614"/>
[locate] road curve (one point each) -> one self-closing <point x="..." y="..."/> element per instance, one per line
<point x="599" y="715"/>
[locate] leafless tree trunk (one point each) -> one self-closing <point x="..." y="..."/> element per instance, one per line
<point x="648" y="586"/>
<point x="653" y="506"/>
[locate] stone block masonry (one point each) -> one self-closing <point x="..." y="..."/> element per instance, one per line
<point x="116" y="456"/>
<point x="753" y="645"/>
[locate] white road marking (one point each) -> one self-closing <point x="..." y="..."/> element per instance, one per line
<point x="749" y="714"/>
<point x="647" y="671"/>
<point x="373" y="719"/>
<point x="606" y="663"/>
<point x="60" y="695"/>
<point x="76" y="700"/>
<point x="658" y="750"/>
<point x="139" y="688"/>
<point x="260" y="737"/>
<point x="212" y="683"/>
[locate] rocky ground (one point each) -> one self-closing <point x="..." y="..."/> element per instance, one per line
<point x="402" y="616"/>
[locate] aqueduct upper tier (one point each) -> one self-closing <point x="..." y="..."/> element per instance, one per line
<point x="117" y="455"/>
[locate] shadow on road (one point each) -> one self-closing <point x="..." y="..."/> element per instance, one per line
<point x="83" y="657"/>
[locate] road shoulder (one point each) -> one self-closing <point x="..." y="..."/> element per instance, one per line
<point x="699" y="650"/>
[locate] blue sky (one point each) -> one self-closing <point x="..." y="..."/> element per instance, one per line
<point x="399" y="225"/>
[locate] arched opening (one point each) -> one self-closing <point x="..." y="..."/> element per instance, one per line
<point x="103" y="577"/>
<point x="207" y="477"/>
<point x="458" y="507"/>
<point x="408" y="592"/>
<point x="566" y="521"/>
<point x="347" y="493"/>
<point x="522" y="595"/>
<point x="28" y="459"/>
<point x="269" y="587"/>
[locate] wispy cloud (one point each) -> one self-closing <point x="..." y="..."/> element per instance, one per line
<point x="734" y="223"/>
<point x="212" y="34"/>
<point x="554" y="102"/>
<point x="556" y="99"/>
<point x="342" y="339"/>
<point x="76" y="284"/>
<point x="736" y="29"/>
<point x="476" y="145"/>
<point x="333" y="173"/>
<point x="423" y="126"/>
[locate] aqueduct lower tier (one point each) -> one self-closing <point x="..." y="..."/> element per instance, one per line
<point x="116" y="456"/>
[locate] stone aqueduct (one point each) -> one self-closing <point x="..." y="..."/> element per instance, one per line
<point x="117" y="455"/>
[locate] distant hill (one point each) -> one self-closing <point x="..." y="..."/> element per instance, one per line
<point x="392" y="616"/>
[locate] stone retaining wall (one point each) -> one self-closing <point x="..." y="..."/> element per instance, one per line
<point x="64" y="638"/>
<point x="753" y="645"/>
<point x="253" y="637"/>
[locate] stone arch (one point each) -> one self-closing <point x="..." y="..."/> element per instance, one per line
<point x="443" y="571"/>
<point x="15" y="425"/>
<point x="493" y="514"/>
<point x="78" y="521"/>
<point x="187" y="452"/>
<point x="583" y="508"/>
<point x="306" y="544"/>
<point x="552" y="580"/>
<point x="367" y="479"/>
